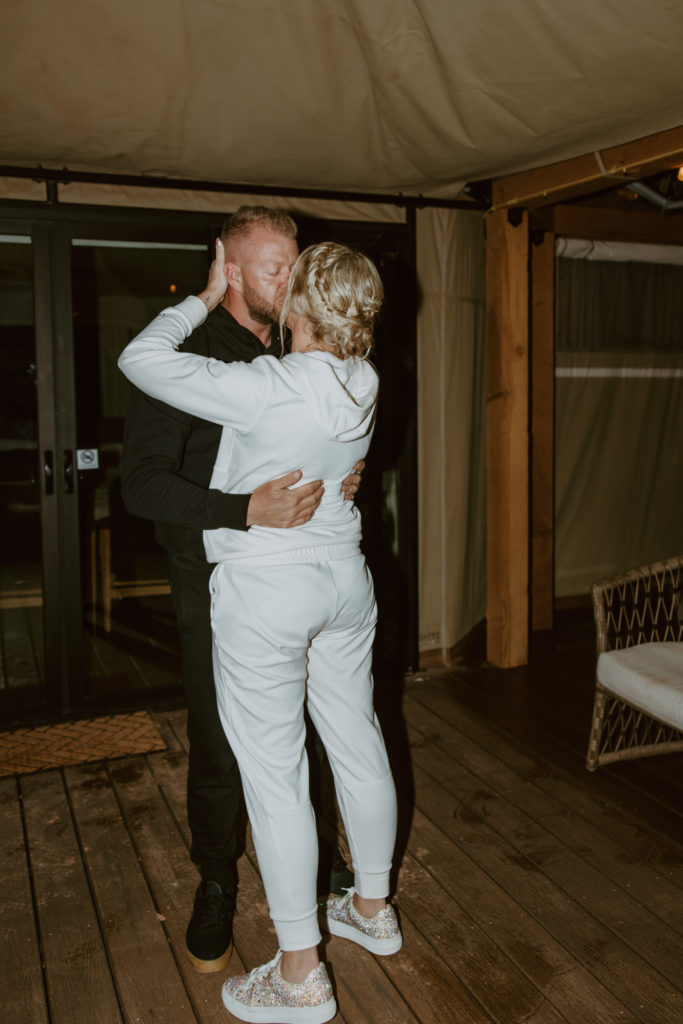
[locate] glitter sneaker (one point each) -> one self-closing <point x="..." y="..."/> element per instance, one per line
<point x="379" y="934"/>
<point x="265" y="996"/>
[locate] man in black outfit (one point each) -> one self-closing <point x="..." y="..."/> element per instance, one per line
<point x="168" y="461"/>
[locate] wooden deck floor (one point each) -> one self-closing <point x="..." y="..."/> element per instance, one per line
<point x="529" y="890"/>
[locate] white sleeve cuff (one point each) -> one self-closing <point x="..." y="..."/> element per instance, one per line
<point x="194" y="309"/>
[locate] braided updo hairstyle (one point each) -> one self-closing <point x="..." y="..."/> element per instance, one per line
<point x="340" y="292"/>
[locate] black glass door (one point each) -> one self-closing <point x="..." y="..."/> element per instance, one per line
<point x="129" y="637"/>
<point x="22" y="595"/>
<point x="86" y="618"/>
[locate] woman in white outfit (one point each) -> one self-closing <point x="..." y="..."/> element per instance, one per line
<point x="293" y="611"/>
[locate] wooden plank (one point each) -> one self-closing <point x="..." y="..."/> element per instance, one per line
<point x="584" y="174"/>
<point x="177" y="721"/>
<point x="76" y="967"/>
<point x="170" y="772"/>
<point x="146" y="975"/>
<point x="507" y="442"/>
<point x="21" y="977"/>
<point x="364" y="994"/>
<point x="611" y="225"/>
<point x="542" y="431"/>
<point x="427" y="972"/>
<point x="638" y="859"/>
<point x="171" y="876"/>
<point x="518" y="703"/>
<point x="632" y="981"/>
<point x="660" y="774"/>
<point x="171" y="725"/>
<point x="603" y="798"/>
<point x="481" y="965"/>
<point x="521" y="965"/>
<point x="632" y="899"/>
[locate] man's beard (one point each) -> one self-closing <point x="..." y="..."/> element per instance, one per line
<point x="260" y="310"/>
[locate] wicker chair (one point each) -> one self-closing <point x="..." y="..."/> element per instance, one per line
<point x="640" y="606"/>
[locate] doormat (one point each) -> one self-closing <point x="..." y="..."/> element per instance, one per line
<point x="68" y="743"/>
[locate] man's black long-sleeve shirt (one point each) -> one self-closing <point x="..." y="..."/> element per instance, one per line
<point x="168" y="455"/>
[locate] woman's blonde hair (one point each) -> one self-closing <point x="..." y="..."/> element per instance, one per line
<point x="340" y="292"/>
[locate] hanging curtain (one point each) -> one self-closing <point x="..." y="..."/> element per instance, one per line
<point x="619" y="418"/>
<point x="452" y="439"/>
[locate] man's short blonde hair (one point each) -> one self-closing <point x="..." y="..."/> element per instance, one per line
<point x="240" y="223"/>
<point x="340" y="292"/>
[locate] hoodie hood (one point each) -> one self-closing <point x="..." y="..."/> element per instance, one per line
<point x="341" y="394"/>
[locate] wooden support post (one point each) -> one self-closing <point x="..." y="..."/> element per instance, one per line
<point x="507" y="342"/>
<point x="542" y="431"/>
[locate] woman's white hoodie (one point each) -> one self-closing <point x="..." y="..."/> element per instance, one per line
<point x="309" y="410"/>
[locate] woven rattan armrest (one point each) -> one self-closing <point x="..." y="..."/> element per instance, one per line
<point x="639" y="606"/>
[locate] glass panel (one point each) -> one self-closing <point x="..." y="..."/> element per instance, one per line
<point x="21" y="571"/>
<point x="129" y="623"/>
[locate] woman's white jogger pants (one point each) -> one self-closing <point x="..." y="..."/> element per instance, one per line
<point x="284" y="634"/>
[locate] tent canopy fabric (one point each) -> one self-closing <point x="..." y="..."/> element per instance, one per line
<point x="417" y="96"/>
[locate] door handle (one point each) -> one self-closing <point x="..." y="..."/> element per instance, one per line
<point x="48" y="472"/>
<point x="68" y="471"/>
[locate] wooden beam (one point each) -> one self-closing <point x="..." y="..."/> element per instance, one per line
<point x="592" y="172"/>
<point x="543" y="431"/>
<point x="609" y="225"/>
<point x="507" y="444"/>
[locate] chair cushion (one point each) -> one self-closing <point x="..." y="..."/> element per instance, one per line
<point x="649" y="676"/>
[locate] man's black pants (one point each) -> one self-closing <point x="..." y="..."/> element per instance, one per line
<point x="214" y="789"/>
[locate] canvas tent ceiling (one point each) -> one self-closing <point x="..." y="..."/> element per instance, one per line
<point x="416" y="96"/>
